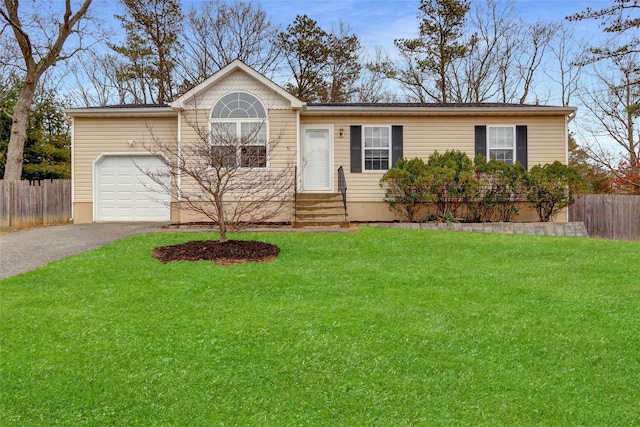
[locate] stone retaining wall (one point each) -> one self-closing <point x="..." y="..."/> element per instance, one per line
<point x="573" y="229"/>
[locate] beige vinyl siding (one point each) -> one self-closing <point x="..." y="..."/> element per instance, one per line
<point x="94" y="136"/>
<point x="283" y="136"/>
<point x="282" y="140"/>
<point x="424" y="135"/>
<point x="238" y="81"/>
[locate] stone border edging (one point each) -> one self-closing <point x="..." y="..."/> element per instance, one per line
<point x="567" y="229"/>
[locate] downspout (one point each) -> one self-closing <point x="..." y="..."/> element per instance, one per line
<point x="179" y="172"/>
<point x="568" y="119"/>
<point x="72" y="166"/>
<point x="296" y="171"/>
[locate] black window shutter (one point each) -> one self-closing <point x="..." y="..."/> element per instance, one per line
<point x="396" y="144"/>
<point x="481" y="141"/>
<point x="521" y="145"/>
<point x="356" y="148"/>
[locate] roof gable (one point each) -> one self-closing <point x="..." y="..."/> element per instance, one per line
<point x="191" y="97"/>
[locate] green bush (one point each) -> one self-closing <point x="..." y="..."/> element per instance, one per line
<point x="458" y="189"/>
<point x="453" y="185"/>
<point x="407" y="187"/>
<point x="502" y="187"/>
<point x="552" y="187"/>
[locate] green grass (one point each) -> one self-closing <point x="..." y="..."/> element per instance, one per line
<point x="385" y="328"/>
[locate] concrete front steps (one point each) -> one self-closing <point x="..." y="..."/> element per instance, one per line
<point x="319" y="210"/>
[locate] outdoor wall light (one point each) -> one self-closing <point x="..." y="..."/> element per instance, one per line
<point x="132" y="142"/>
<point x="341" y="132"/>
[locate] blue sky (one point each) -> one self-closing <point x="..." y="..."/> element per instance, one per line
<point x="379" y="22"/>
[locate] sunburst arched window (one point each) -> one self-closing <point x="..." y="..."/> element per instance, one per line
<point x="239" y="132"/>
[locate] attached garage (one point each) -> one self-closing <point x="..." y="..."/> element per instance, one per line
<point x="124" y="193"/>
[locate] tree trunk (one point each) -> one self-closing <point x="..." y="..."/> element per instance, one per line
<point x="222" y="221"/>
<point x="34" y="70"/>
<point x="20" y="122"/>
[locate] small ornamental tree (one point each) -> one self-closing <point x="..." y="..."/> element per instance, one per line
<point x="551" y="188"/>
<point x="407" y="188"/>
<point x="225" y="177"/>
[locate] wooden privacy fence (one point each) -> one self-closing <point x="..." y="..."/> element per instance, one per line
<point x="608" y="216"/>
<point x="44" y="203"/>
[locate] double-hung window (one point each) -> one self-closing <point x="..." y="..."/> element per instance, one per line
<point x="502" y="143"/>
<point x="377" y="147"/>
<point x="239" y="132"/>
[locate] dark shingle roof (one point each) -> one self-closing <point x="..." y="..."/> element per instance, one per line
<point x="130" y="106"/>
<point x="423" y="105"/>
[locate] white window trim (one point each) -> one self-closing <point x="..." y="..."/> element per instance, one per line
<point x="515" y="142"/>
<point x="238" y="123"/>
<point x="364" y="166"/>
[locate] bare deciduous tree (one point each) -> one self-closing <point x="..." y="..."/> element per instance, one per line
<point x="486" y="72"/>
<point x="484" y="60"/>
<point x="538" y="35"/>
<point x="94" y="80"/>
<point x="233" y="181"/>
<point x="614" y="103"/>
<point x="41" y="39"/>
<point x="568" y="54"/>
<point x="218" y="33"/>
<point x="371" y="85"/>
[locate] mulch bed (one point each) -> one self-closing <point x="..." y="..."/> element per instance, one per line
<point x="228" y="253"/>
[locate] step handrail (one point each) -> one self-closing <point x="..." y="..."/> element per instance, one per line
<point x="342" y="188"/>
<point x="295" y="191"/>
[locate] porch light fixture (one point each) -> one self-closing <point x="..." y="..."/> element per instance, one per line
<point x="341" y="132"/>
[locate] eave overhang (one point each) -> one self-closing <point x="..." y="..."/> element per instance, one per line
<point x="357" y="110"/>
<point x="122" y="111"/>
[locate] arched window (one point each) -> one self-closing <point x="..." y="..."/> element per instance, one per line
<point x="239" y="132"/>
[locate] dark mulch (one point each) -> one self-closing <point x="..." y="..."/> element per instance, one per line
<point x="227" y="253"/>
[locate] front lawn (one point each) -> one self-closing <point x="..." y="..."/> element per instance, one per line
<point x="385" y="327"/>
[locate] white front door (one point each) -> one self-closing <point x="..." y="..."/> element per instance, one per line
<point x="316" y="158"/>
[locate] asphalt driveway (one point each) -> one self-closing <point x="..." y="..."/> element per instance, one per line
<point x="22" y="251"/>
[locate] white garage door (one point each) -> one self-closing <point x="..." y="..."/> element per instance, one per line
<point x="125" y="193"/>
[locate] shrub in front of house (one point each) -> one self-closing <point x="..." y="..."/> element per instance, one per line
<point x="406" y="188"/>
<point x="450" y="187"/>
<point x="502" y="188"/>
<point x="552" y="187"/>
<point x="453" y="185"/>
